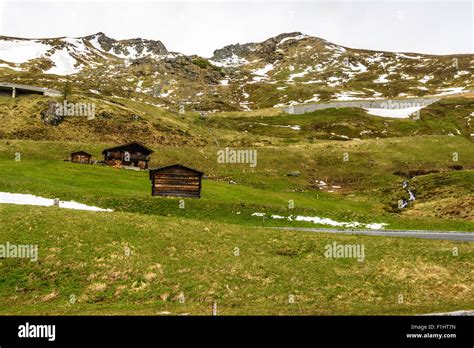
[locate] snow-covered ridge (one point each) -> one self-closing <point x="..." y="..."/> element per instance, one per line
<point x="68" y="55"/>
<point x="63" y="56"/>
<point x="292" y="38"/>
<point x="21" y="51"/>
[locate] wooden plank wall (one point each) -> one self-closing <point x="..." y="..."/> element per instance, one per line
<point x="116" y="158"/>
<point x="81" y="159"/>
<point x="179" y="182"/>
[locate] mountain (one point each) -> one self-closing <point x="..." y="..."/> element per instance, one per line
<point x="288" y="69"/>
<point x="65" y="56"/>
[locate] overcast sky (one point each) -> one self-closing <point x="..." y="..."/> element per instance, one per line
<point x="199" y="27"/>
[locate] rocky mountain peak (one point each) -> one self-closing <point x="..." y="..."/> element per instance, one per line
<point x="277" y="39"/>
<point x="239" y="54"/>
<point x="128" y="48"/>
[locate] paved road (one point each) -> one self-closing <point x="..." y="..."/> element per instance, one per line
<point x="441" y="235"/>
<point x="454" y="314"/>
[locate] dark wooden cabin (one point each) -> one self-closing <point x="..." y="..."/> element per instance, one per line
<point x="176" y="180"/>
<point x="132" y="154"/>
<point x="81" y="157"/>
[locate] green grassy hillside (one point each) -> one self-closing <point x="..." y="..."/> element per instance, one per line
<point x="448" y="116"/>
<point x="122" y="263"/>
<point x="119" y="120"/>
<point x="352" y="193"/>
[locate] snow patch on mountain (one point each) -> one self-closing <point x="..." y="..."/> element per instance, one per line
<point x="402" y="55"/>
<point x="381" y="79"/>
<point x="294" y="127"/>
<point x="12" y="66"/>
<point x="448" y="91"/>
<point x="95" y="43"/>
<point x="64" y="63"/>
<point x="461" y="73"/>
<point x="394" y="113"/>
<point x="303" y="73"/>
<point x="261" y="74"/>
<point x="314" y="99"/>
<point x="349" y="95"/>
<point x="76" y="44"/>
<point x="426" y="78"/>
<point x="292" y="38"/>
<point x="21" y="51"/>
<point x="230" y="62"/>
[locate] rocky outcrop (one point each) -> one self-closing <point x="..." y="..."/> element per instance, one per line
<point x="141" y="47"/>
<point x="49" y="115"/>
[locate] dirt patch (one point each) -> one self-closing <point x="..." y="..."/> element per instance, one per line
<point x="97" y="287"/>
<point x="414" y="272"/>
<point x="50" y="296"/>
<point x="415" y="172"/>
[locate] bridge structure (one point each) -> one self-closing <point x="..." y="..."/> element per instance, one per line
<point x="15" y="90"/>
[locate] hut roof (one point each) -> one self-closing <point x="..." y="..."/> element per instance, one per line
<point x="80" y="153"/>
<point x="175" y="165"/>
<point x="133" y="144"/>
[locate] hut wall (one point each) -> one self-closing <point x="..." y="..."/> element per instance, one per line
<point x="80" y="158"/>
<point x="117" y="157"/>
<point x="178" y="182"/>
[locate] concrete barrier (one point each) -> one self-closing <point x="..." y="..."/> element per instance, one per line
<point x="366" y="104"/>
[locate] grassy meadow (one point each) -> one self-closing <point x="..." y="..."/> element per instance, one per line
<point x="182" y="266"/>
<point x="153" y="256"/>
<point x="263" y="189"/>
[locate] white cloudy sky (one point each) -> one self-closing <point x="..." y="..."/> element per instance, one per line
<point x="199" y="27"/>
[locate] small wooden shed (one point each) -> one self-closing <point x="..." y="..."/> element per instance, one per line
<point x="132" y="154"/>
<point x="81" y="157"/>
<point x="176" y="181"/>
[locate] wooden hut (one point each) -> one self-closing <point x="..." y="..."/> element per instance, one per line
<point x="81" y="157"/>
<point x="132" y="154"/>
<point x="176" y="180"/>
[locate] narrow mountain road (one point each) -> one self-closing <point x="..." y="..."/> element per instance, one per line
<point x="441" y="235"/>
<point x="453" y="314"/>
